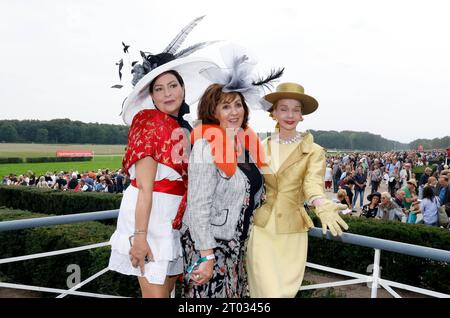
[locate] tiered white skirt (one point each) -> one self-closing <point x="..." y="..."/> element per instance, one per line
<point x="163" y="240"/>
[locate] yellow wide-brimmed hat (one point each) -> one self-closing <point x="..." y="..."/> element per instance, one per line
<point x="293" y="91"/>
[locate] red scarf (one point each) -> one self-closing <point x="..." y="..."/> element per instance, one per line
<point x="224" y="154"/>
<point x="223" y="150"/>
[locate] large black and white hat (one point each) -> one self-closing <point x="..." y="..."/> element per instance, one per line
<point x="153" y="65"/>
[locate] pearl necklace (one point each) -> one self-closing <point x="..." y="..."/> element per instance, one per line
<point x="292" y="140"/>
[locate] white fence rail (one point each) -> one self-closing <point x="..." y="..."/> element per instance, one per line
<point x="375" y="280"/>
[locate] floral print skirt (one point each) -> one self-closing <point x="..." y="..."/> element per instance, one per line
<point x="229" y="275"/>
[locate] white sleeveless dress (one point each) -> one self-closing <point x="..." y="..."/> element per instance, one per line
<point x="163" y="240"/>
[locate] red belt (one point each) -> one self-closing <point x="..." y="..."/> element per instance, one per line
<point x="175" y="187"/>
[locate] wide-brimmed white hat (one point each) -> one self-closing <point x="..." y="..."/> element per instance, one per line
<point x="156" y="64"/>
<point x="189" y="69"/>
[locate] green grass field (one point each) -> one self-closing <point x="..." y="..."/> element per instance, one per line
<point x="105" y="156"/>
<point x="99" y="162"/>
<point x="49" y="150"/>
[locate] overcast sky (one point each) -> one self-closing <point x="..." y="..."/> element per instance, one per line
<point x="378" y="66"/>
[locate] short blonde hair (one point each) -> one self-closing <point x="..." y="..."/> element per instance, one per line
<point x="341" y="194"/>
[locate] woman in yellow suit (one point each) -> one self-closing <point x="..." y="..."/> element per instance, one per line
<point x="294" y="173"/>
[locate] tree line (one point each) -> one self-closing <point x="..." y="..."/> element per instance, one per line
<point x="355" y="140"/>
<point x="67" y="131"/>
<point x="436" y="143"/>
<point x="61" y="131"/>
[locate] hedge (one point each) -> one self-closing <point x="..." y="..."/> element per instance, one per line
<point x="52" y="271"/>
<point x="57" y="202"/>
<point x="419" y="272"/>
<point x="11" y="160"/>
<point x="56" y="159"/>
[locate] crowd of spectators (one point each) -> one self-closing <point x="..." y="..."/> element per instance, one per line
<point x="394" y="191"/>
<point x="104" y="180"/>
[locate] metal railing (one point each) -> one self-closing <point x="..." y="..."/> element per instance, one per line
<point x="375" y="280"/>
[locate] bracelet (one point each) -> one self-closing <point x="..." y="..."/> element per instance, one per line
<point x="140" y="232"/>
<point x="199" y="261"/>
<point x="209" y="257"/>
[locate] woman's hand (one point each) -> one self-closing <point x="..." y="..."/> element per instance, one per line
<point x="203" y="273"/>
<point x="139" y="251"/>
<point x="328" y="213"/>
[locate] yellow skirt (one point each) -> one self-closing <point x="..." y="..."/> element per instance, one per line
<point x="275" y="262"/>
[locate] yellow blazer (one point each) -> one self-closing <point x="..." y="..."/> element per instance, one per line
<point x="300" y="178"/>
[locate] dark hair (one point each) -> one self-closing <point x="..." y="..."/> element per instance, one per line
<point x="428" y="193"/>
<point x="212" y="97"/>
<point x="174" y="73"/>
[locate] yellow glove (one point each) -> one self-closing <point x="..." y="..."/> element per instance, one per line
<point x="328" y="213"/>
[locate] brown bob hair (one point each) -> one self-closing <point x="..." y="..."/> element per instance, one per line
<point x="212" y="97"/>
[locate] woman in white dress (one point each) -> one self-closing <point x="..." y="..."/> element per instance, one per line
<point x="146" y="242"/>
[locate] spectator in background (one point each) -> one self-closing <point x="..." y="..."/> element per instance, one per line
<point x="328" y="177"/>
<point x="21" y="181"/>
<point x="413" y="212"/>
<point x="88" y="180"/>
<point x="410" y="193"/>
<point x="360" y="180"/>
<point x="110" y="186"/>
<point x="429" y="207"/>
<point x="48" y="178"/>
<point x="347" y="185"/>
<point x="389" y="210"/>
<point x="432" y="182"/>
<point x="399" y="197"/>
<point x="370" y="210"/>
<point x="32" y="179"/>
<point x="73" y="183"/>
<point x="343" y="198"/>
<point x="443" y="192"/>
<point x="396" y="163"/>
<point x="85" y="187"/>
<point x="363" y="163"/>
<point x="389" y="167"/>
<point x="13" y="179"/>
<point x="424" y="180"/>
<point x="337" y="172"/>
<point x="394" y="181"/>
<point x="101" y="185"/>
<point x="61" y="182"/>
<point x="6" y="180"/>
<point x="375" y="177"/>
<point x="119" y="181"/>
<point x="405" y="174"/>
<point x="347" y="172"/>
<point x="42" y="183"/>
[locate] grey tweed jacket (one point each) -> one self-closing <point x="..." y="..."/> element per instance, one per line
<point x="214" y="200"/>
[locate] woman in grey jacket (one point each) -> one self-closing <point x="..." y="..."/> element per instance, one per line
<point x="225" y="186"/>
<point x="389" y="210"/>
